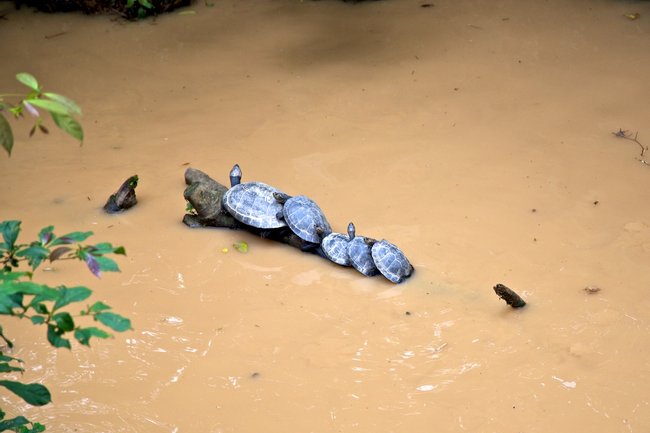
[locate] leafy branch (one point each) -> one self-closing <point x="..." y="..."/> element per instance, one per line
<point x="50" y="247"/>
<point x="61" y="109"/>
<point x="23" y="298"/>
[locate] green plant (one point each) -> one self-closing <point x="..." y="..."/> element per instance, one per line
<point x="23" y="298"/>
<point x="61" y="109"/>
<point x="143" y="5"/>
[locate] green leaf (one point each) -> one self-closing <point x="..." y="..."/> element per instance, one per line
<point x="6" y="368"/>
<point x="36" y="428"/>
<point x="7" y="358"/>
<point x="107" y="265"/>
<point x="33" y="393"/>
<point x="46" y="235"/>
<point x="83" y="335"/>
<point x="71" y="238"/>
<point x="114" y="321"/>
<point x="13" y="423"/>
<point x="14" y="275"/>
<point x="8" y="303"/>
<point x="129" y="3"/>
<point x="10" y="230"/>
<point x="98" y="307"/>
<point x="55" y="339"/>
<point x="35" y="254"/>
<point x="29" y="288"/>
<point x="68" y="124"/>
<point x="101" y="248"/>
<point x="39" y="307"/>
<point x="28" y="80"/>
<point x="51" y="106"/>
<point x="71" y="294"/>
<point x="242" y="247"/>
<point x="120" y="250"/>
<point x="64" y="321"/>
<point x="72" y="107"/>
<point x="6" y="135"/>
<point x="37" y="320"/>
<point x="146" y="4"/>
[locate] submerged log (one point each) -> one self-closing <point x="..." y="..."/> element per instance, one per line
<point x="205" y="195"/>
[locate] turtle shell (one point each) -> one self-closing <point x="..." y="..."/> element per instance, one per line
<point x="391" y="261"/>
<point x="306" y="219"/>
<point x="252" y="203"/>
<point x="335" y="248"/>
<point x="361" y="257"/>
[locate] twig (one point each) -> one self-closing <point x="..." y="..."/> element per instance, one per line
<point x="55" y="35"/>
<point x="626" y="135"/>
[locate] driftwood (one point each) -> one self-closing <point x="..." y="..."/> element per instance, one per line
<point x="124" y="198"/>
<point x="205" y="195"/>
<point x="509" y="295"/>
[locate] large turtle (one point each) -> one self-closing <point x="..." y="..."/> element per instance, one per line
<point x="391" y="261"/>
<point x="252" y="203"/>
<point x="359" y="253"/>
<point x="335" y="246"/>
<point x="304" y="217"/>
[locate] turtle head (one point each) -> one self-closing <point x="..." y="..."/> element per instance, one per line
<point x="351" y="231"/>
<point x="321" y="232"/>
<point x="281" y="197"/>
<point x="235" y="175"/>
<point x="370" y="241"/>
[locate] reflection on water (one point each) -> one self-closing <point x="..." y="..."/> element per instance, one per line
<point x="476" y="137"/>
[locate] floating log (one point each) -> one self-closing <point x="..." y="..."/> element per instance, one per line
<point x="205" y="195"/>
<point x="124" y="198"/>
<point x="508" y="295"/>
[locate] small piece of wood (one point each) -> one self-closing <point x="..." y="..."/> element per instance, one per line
<point x="124" y="198"/>
<point x="508" y="295"/>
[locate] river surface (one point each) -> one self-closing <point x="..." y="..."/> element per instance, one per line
<point x="475" y="135"/>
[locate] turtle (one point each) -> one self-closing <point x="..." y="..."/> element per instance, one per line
<point x="304" y="217"/>
<point x="359" y="253"/>
<point x="335" y="246"/>
<point x="391" y="261"/>
<point x="252" y="203"/>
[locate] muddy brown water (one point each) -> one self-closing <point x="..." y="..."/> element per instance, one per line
<point x="476" y="136"/>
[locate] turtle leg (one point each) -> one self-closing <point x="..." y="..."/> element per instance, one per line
<point x="308" y="247"/>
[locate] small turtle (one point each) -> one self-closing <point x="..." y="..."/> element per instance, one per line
<point x="335" y="246"/>
<point x="359" y="252"/>
<point x="391" y="261"/>
<point x="252" y="203"/>
<point x="303" y="217"/>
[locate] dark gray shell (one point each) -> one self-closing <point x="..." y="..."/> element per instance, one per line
<point x="252" y="203"/>
<point x="361" y="257"/>
<point x="306" y="219"/>
<point x="391" y="261"/>
<point x="335" y="248"/>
